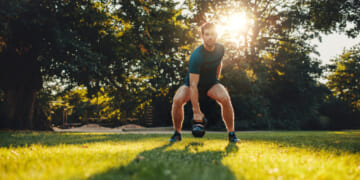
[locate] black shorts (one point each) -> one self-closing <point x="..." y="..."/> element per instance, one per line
<point x="203" y="88"/>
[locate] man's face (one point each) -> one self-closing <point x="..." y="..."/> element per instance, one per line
<point x="209" y="37"/>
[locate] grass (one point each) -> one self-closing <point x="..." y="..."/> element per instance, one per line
<point x="261" y="155"/>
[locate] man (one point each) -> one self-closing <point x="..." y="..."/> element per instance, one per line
<point x="204" y="72"/>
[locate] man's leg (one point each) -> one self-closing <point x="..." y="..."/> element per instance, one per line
<point x="220" y="94"/>
<point x="182" y="96"/>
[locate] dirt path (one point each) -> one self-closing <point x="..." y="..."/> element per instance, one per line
<point x="134" y="129"/>
<point x="130" y="128"/>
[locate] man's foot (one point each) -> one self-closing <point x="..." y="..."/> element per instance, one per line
<point x="176" y="137"/>
<point x="233" y="138"/>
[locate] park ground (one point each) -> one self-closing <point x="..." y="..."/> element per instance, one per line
<point x="139" y="155"/>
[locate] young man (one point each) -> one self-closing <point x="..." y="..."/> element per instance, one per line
<point x="203" y="77"/>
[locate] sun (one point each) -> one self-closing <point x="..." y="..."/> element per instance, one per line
<point x="238" y="22"/>
<point x="233" y="27"/>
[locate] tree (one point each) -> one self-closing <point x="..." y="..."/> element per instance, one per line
<point x="329" y="15"/>
<point x="294" y="93"/>
<point x="84" y="42"/>
<point x="54" y="38"/>
<point x="344" y="79"/>
<point x="270" y="60"/>
<point x="342" y="104"/>
<point x="165" y="37"/>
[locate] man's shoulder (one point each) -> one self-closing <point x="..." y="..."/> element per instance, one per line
<point x="198" y="50"/>
<point x="197" y="53"/>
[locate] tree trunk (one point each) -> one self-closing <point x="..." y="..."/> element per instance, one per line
<point x="21" y="80"/>
<point x="20" y="108"/>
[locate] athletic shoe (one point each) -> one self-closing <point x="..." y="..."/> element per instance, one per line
<point x="233" y="138"/>
<point x="176" y="137"/>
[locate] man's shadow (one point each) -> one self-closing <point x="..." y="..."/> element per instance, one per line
<point x="188" y="163"/>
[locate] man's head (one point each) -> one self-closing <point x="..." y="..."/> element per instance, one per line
<point x="209" y="34"/>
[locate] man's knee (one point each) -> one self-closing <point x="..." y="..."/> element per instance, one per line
<point x="224" y="99"/>
<point x="178" y="101"/>
<point x="181" y="96"/>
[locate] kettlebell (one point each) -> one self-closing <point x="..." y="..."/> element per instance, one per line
<point x="198" y="129"/>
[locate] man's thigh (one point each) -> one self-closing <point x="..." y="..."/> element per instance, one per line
<point x="218" y="92"/>
<point x="182" y="94"/>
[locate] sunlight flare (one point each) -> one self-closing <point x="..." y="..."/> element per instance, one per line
<point x="233" y="28"/>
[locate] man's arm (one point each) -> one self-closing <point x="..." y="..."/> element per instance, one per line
<point x="218" y="71"/>
<point x="194" y="96"/>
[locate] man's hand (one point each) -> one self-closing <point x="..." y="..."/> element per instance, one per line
<point x="198" y="117"/>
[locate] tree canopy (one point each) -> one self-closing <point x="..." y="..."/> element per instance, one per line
<point x="344" y="78"/>
<point x="86" y="43"/>
<point x="135" y="54"/>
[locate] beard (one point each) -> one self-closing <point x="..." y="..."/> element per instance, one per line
<point x="210" y="44"/>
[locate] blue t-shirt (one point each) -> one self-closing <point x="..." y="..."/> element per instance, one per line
<point x="205" y="63"/>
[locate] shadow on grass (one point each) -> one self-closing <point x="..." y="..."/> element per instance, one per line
<point x="161" y="163"/>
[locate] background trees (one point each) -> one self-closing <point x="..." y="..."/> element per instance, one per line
<point x="135" y="53"/>
<point x="88" y="43"/>
<point x="343" y="104"/>
<point x="268" y="67"/>
<point x="345" y="78"/>
<point x="61" y="39"/>
<point x="329" y="16"/>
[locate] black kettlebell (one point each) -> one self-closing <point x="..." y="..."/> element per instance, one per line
<point x="198" y="128"/>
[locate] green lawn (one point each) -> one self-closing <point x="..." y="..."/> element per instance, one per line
<point x="261" y="155"/>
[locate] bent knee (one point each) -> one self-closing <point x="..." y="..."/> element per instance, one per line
<point x="224" y="99"/>
<point x="179" y="101"/>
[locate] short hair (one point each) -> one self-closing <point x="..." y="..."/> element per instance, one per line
<point x="207" y="25"/>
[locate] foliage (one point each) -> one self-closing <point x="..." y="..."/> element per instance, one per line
<point x="83" y="109"/>
<point x="128" y="46"/>
<point x="132" y="54"/>
<point x="343" y="103"/>
<point x="294" y="94"/>
<point x="344" y="79"/>
<point x="329" y="16"/>
<point x="48" y="38"/>
<point x="261" y="155"/>
<point x="338" y="114"/>
<point x="267" y="67"/>
<point x="165" y="38"/>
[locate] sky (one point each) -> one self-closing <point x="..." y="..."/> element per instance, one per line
<point x="333" y="45"/>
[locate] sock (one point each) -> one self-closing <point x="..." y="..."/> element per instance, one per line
<point x="232" y="133"/>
